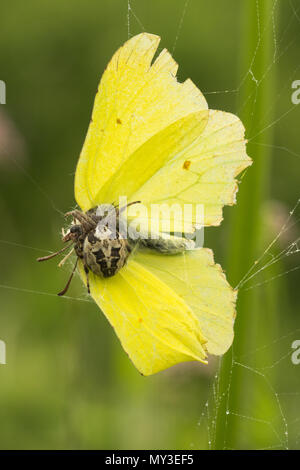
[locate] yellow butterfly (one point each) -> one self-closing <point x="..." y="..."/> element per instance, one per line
<point x="154" y="141"/>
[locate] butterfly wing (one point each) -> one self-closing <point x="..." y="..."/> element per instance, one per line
<point x="153" y="139"/>
<point x="202" y="285"/>
<point x="134" y="102"/>
<point x="168" y="309"/>
<point x="156" y="327"/>
<point x="203" y="173"/>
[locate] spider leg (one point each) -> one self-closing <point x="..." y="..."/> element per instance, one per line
<point x="69" y="281"/>
<point x="65" y="258"/>
<point x="84" y="219"/>
<point x="86" y="270"/>
<point x="45" y="258"/>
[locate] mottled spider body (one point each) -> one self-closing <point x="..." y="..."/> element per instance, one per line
<point x="105" y="256"/>
<point x="101" y="242"/>
<point x="97" y="241"/>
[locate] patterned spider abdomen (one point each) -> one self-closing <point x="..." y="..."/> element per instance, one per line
<point x="103" y="255"/>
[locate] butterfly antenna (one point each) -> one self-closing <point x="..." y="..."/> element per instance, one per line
<point x="45" y="258"/>
<point x="128" y="205"/>
<point x="69" y="281"/>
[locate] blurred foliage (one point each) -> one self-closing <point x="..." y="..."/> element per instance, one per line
<point x="67" y="382"/>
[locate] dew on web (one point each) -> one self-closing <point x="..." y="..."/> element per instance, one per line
<point x="131" y="13"/>
<point x="282" y="347"/>
<point x="179" y="27"/>
<point x="290" y="249"/>
<point x="283" y="431"/>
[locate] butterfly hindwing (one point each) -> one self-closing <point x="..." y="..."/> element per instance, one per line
<point x="202" y="285"/>
<point x="156" y="327"/>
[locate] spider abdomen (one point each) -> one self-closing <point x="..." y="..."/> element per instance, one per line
<point x="105" y="256"/>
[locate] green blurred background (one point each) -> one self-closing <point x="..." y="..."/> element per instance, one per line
<point x="67" y="382"/>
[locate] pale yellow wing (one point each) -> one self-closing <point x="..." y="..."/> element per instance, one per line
<point x="156" y="327"/>
<point x="203" y="173"/>
<point x="202" y="285"/>
<point x="153" y="139"/>
<point x="135" y="101"/>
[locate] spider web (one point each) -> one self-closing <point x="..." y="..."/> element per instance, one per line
<point x="283" y="429"/>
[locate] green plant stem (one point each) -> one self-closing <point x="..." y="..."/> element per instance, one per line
<point x="256" y="38"/>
